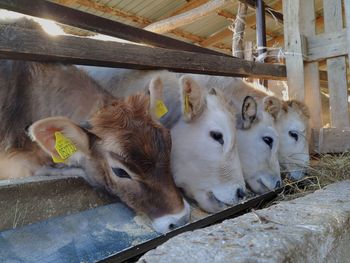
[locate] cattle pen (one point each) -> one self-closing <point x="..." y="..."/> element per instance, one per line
<point x="41" y="213"/>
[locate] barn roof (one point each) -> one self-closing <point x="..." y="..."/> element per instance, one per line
<point x="212" y="31"/>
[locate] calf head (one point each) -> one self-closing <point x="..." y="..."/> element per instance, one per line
<point x="205" y="161"/>
<point x="125" y="151"/>
<point x="258" y="143"/>
<point x="293" y="152"/>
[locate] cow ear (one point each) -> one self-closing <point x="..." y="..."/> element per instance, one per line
<point x="272" y="105"/>
<point x="158" y="108"/>
<point x="248" y="114"/>
<point x="192" y="98"/>
<point x="60" y="138"/>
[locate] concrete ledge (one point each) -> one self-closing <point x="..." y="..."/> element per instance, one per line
<point x="315" y="228"/>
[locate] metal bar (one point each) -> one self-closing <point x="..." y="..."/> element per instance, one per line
<point x="232" y="212"/>
<point x="260" y="26"/>
<point x="261" y="30"/>
<point x="72" y="17"/>
<point x="274" y="14"/>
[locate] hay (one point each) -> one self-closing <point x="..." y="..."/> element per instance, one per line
<point x="325" y="169"/>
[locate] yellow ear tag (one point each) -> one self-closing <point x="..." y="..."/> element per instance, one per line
<point x="64" y="147"/>
<point x="160" y="109"/>
<point x="187" y="103"/>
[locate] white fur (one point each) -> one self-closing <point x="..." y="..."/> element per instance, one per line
<point x="207" y="171"/>
<point x="293" y="155"/>
<point x="260" y="165"/>
<point x="202" y="166"/>
<point x="167" y="223"/>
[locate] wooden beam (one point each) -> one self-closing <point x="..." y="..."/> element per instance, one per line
<point x="188" y="17"/>
<point x="72" y="17"/>
<point x="332" y="140"/>
<point x="140" y="20"/>
<point x="25" y="44"/>
<point x="294" y="52"/>
<point x="336" y="68"/>
<point x="107" y="10"/>
<point x="326" y="45"/>
<point x="238" y="32"/>
<point x="347" y="19"/>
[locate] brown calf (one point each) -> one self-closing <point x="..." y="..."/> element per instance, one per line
<point x="122" y="149"/>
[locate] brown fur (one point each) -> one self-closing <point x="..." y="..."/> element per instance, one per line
<point x="120" y="127"/>
<point x="298" y="106"/>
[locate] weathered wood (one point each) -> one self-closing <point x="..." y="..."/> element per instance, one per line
<point x="18" y="43"/>
<point x="72" y="17"/>
<point x="311" y="70"/>
<point x="188" y="17"/>
<point x="327" y="45"/>
<point x="293" y="48"/>
<point x="238" y="32"/>
<point x="347" y="19"/>
<point x="332" y="140"/>
<point x="337" y="81"/>
<point x="248" y="51"/>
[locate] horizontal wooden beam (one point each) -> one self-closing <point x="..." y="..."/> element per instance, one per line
<point x="185" y="18"/>
<point x="326" y="45"/>
<point x="72" y="17"/>
<point x="25" y="44"/>
<point x="332" y="140"/>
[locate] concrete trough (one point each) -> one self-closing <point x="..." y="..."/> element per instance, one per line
<point x="314" y="228"/>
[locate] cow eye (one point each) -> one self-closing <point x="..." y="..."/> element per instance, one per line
<point x="217" y="136"/>
<point x="120" y="173"/>
<point x="294" y="135"/>
<point x="268" y="140"/>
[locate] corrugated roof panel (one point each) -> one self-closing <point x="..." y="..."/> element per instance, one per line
<point x="207" y="25"/>
<point x="157" y="13"/>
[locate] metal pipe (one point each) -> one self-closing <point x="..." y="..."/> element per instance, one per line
<point x="261" y="29"/>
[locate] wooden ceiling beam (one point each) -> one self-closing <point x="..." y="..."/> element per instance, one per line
<point x="186" y="18"/>
<point x="186" y="7"/>
<point x="141" y="21"/>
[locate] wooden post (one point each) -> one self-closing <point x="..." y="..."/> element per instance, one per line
<point x="347" y="19"/>
<point x="238" y="32"/>
<point x="337" y="82"/>
<point x="303" y="78"/>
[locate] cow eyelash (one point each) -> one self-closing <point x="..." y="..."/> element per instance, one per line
<point x="120" y="172"/>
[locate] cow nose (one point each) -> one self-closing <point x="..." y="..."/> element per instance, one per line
<point x="278" y="184"/>
<point x="168" y="222"/>
<point x="240" y="193"/>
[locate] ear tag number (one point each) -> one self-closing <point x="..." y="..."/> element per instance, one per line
<point x="64" y="147"/>
<point x="160" y="109"/>
<point x="187" y="103"/>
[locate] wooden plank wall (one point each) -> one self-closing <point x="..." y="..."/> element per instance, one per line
<point x="336" y="67"/>
<point x="304" y="49"/>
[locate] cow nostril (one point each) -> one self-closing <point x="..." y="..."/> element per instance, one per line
<point x="240" y="193"/>
<point x="278" y="184"/>
<point x="172" y="226"/>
